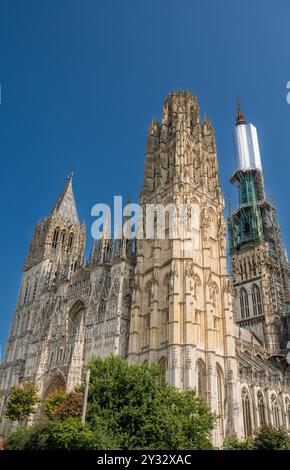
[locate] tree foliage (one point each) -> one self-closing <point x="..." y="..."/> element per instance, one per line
<point x="62" y="405"/>
<point x="53" y="401"/>
<point x="269" y="438"/>
<point x="22" y="402"/>
<point x="232" y="442"/>
<point x="69" y="434"/>
<point x="142" y="411"/>
<point x="265" y="438"/>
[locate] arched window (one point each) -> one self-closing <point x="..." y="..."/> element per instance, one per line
<point x="56" y="383"/>
<point x="70" y="241"/>
<point x="261" y="409"/>
<point x="163" y="366"/>
<point x="55" y="238"/>
<point x="244" y="303"/>
<point x="220" y="398"/>
<point x="201" y="379"/>
<point x="257" y="303"/>
<point x="62" y="238"/>
<point x="246" y="404"/>
<point x="34" y="288"/>
<point x="275" y="411"/>
<point x="75" y="317"/>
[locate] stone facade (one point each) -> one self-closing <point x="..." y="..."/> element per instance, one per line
<point x="168" y="301"/>
<point x="68" y="310"/>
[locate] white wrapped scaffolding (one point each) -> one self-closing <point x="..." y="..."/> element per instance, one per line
<point x="247" y="147"/>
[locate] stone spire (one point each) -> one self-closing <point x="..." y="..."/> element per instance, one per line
<point x="65" y="206"/>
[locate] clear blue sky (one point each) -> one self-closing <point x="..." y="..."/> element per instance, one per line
<point x="80" y="81"/>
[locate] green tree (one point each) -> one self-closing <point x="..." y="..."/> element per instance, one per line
<point x="269" y="438"/>
<point x="70" y="434"/>
<point x="265" y="438"/>
<point x="232" y="442"/>
<point x="70" y="407"/>
<point x="142" y="411"/>
<point x="61" y="405"/>
<point x="53" y="401"/>
<point x="22" y="402"/>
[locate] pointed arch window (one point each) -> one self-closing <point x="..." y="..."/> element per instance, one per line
<point x="55" y="238"/>
<point x="74" y="319"/>
<point x="34" y="288"/>
<point x="70" y="241"/>
<point x="62" y="238"/>
<point x="275" y="411"/>
<point x="257" y="301"/>
<point x="163" y="366"/>
<point x="244" y="304"/>
<point x="246" y="405"/>
<point x="261" y="409"/>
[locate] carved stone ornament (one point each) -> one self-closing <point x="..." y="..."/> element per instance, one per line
<point x="189" y="269"/>
<point x="209" y="284"/>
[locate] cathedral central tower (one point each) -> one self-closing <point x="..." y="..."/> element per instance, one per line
<point x="181" y="312"/>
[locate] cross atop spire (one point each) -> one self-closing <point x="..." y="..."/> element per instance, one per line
<point x="240" y="117"/>
<point x="65" y="206"/>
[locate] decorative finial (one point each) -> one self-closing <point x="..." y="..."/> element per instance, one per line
<point x="240" y="117"/>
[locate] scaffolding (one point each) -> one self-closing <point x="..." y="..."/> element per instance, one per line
<point x="245" y="224"/>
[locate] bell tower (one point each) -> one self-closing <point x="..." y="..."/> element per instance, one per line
<point x="59" y="239"/>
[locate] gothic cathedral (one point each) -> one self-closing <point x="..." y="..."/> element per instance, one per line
<point x="167" y="299"/>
